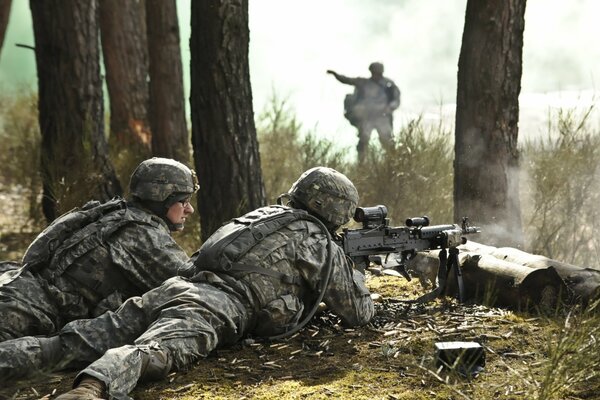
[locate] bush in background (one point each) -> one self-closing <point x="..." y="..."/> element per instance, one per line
<point x="20" y="159"/>
<point x="561" y="190"/>
<point x="412" y="179"/>
<point x="286" y="151"/>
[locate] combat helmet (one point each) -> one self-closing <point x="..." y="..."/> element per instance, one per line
<point x="327" y="193"/>
<point x="157" y="179"/>
<point x="158" y="183"/>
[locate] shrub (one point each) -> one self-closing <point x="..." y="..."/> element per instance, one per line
<point x="561" y="190"/>
<point x="414" y="178"/>
<point x="286" y="151"/>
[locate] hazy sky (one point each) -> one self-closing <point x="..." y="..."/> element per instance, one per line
<point x="293" y="43"/>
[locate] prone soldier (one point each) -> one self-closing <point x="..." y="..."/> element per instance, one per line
<point x="262" y="274"/>
<point x="90" y="260"/>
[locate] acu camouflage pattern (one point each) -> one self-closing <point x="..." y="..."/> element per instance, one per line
<point x="188" y="318"/>
<point x="327" y="193"/>
<point x="158" y="178"/>
<point x="123" y="254"/>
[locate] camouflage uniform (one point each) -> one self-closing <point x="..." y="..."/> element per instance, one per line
<point x="374" y="101"/>
<point x="190" y="318"/>
<point x="125" y="253"/>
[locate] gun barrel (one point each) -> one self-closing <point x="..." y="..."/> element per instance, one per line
<point x="471" y="229"/>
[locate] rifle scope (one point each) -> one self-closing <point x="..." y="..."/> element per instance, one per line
<point x="368" y="215"/>
<point x="417" y="221"/>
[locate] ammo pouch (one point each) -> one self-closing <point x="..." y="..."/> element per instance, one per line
<point x="279" y="316"/>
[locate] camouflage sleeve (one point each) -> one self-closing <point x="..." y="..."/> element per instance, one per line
<point x="346" y="294"/>
<point x="347" y="80"/>
<point x="149" y="254"/>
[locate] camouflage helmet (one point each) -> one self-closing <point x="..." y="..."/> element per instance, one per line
<point x="157" y="178"/>
<point x="326" y="193"/>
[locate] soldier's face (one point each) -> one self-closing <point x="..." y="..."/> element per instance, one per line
<point x="179" y="211"/>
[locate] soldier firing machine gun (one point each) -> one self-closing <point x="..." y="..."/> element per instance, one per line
<point x="377" y="238"/>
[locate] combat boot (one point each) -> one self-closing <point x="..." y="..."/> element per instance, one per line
<point x="88" y="389"/>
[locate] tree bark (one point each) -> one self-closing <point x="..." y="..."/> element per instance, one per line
<point x="223" y="130"/>
<point x="487" y="116"/>
<point x="170" y="137"/>
<point x="124" y="47"/>
<point x="75" y="163"/>
<point x="4" y="14"/>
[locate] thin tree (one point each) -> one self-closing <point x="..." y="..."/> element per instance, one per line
<point x="75" y="163"/>
<point x="124" y="47"/>
<point x="487" y="116"/>
<point x="4" y="13"/>
<point x="223" y="131"/>
<point x="170" y="137"/>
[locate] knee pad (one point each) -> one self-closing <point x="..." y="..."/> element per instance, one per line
<point x="156" y="363"/>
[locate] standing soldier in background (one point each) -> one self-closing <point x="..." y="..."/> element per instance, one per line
<point x="91" y="259"/>
<point x="371" y="106"/>
<point x="262" y="274"/>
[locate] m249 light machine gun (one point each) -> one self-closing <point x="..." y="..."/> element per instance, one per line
<point x="377" y="238"/>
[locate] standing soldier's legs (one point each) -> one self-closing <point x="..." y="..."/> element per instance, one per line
<point x="26" y="308"/>
<point x="383" y="125"/>
<point x="191" y="320"/>
<point x="365" y="128"/>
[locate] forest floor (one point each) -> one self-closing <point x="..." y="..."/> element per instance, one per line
<point x="392" y="357"/>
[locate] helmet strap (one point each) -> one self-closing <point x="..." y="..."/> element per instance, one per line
<point x="159" y="209"/>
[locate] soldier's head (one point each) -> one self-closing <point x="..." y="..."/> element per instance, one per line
<point x="376" y="69"/>
<point x="327" y="194"/>
<point x="165" y="187"/>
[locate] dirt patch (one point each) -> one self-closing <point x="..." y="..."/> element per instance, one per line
<point x="391" y="358"/>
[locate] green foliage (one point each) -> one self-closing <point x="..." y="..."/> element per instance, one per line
<point x="285" y="151"/>
<point x="412" y="179"/>
<point x="20" y="155"/>
<point x="562" y="191"/>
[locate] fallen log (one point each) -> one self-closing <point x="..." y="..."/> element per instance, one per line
<point x="492" y="281"/>
<point x="583" y="283"/>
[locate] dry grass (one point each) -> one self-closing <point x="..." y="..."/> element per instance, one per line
<point x="528" y="356"/>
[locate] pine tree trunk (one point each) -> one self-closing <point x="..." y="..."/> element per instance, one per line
<point x="167" y="101"/>
<point x="75" y="163"/>
<point x="4" y="13"/>
<point x="223" y="130"/>
<point x="487" y="116"/>
<point x="124" y="47"/>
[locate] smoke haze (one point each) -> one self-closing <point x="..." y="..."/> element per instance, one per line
<point x="293" y="43"/>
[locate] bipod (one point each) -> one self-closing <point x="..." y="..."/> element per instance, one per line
<point x="448" y="265"/>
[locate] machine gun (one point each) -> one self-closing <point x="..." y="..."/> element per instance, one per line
<point x="377" y="238"/>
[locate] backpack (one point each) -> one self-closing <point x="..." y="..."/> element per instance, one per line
<point x="350" y="101"/>
<point x="222" y="251"/>
<point x="40" y="252"/>
<point x="233" y="240"/>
